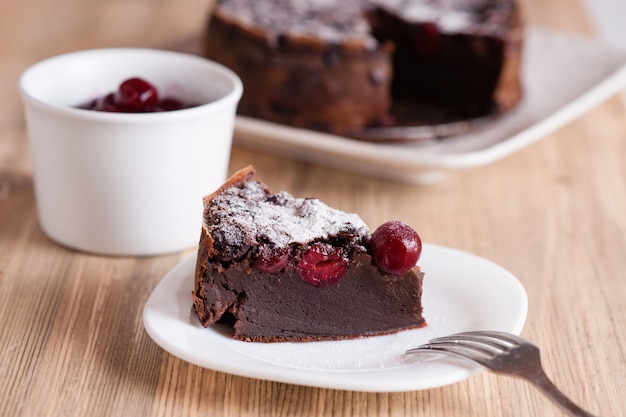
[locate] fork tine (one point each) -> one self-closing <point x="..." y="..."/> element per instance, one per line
<point x="475" y="339"/>
<point x="460" y="348"/>
<point x="508" y="337"/>
<point x="473" y="353"/>
<point x="479" y="346"/>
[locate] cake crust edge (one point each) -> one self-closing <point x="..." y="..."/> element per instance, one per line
<point x="205" y="245"/>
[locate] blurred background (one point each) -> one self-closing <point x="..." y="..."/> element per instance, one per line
<point x="31" y="30"/>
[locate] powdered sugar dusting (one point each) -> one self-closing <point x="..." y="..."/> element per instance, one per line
<point x="337" y="22"/>
<point x="245" y="213"/>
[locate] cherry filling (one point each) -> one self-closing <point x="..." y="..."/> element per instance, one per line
<point x="134" y="95"/>
<point x="322" y="264"/>
<point x="395" y="248"/>
<point x="270" y="259"/>
<point x="424" y="39"/>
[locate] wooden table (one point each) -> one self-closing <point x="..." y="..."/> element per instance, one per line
<point x="72" y="342"/>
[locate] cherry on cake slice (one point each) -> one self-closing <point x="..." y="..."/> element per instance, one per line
<point x="279" y="268"/>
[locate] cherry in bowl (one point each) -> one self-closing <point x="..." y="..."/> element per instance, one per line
<point x="135" y="95"/>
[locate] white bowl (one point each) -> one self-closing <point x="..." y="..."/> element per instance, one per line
<point x="127" y="183"/>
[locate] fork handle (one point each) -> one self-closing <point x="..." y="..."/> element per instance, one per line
<point x="541" y="381"/>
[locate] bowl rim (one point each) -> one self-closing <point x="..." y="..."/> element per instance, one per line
<point x="233" y="95"/>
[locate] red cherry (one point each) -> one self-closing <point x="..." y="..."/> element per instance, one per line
<point x="108" y="104"/>
<point x="136" y="95"/>
<point x="270" y="259"/>
<point x="425" y="39"/>
<point x="104" y="103"/>
<point x="90" y="105"/>
<point x="169" y="104"/>
<point x="322" y="264"/>
<point x="395" y="247"/>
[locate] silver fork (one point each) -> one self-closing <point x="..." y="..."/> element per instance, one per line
<point x="503" y="353"/>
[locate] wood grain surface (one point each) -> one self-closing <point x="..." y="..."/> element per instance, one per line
<point x="72" y="342"/>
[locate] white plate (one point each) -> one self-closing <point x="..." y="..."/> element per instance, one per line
<point x="461" y="292"/>
<point x="565" y="75"/>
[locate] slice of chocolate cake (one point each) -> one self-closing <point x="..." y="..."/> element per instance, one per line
<point x="293" y="269"/>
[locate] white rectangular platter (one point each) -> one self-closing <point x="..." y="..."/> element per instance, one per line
<point x="565" y="75"/>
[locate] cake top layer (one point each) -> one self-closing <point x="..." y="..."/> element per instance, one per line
<point x="245" y="214"/>
<point x="339" y="21"/>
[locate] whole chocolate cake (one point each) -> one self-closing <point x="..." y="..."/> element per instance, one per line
<point x="280" y="268"/>
<point x="342" y="66"/>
